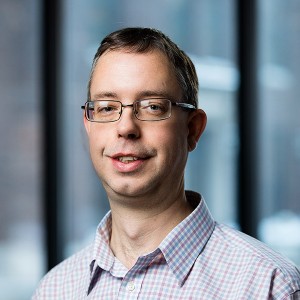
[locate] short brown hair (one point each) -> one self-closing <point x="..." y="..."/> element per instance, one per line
<point x="142" y="40"/>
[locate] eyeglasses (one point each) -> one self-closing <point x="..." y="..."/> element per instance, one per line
<point x="103" y="111"/>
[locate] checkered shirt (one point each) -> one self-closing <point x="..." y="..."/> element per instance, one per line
<point x="198" y="259"/>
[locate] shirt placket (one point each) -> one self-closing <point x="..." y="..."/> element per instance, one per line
<point x="132" y="283"/>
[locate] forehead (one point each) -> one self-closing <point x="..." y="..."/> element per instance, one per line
<point x="122" y="71"/>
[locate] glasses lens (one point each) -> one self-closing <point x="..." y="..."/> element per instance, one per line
<point x="103" y="111"/>
<point x="153" y="109"/>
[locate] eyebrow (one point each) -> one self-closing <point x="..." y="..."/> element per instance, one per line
<point x="140" y="95"/>
<point x="102" y="95"/>
<point x="158" y="94"/>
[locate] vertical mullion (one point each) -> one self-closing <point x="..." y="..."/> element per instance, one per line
<point x="51" y="72"/>
<point x="248" y="116"/>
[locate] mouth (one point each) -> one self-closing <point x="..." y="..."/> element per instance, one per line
<point x="127" y="159"/>
<point x="130" y="160"/>
<point x="128" y="163"/>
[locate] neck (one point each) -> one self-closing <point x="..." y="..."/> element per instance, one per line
<point x="138" y="232"/>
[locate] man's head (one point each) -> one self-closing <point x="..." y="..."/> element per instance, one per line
<point x="142" y="40"/>
<point x="140" y="128"/>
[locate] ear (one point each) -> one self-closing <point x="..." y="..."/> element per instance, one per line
<point x="196" y="125"/>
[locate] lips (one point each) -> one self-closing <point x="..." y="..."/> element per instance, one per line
<point x="127" y="159"/>
<point x="129" y="162"/>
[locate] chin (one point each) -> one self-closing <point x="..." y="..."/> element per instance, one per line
<point x="130" y="190"/>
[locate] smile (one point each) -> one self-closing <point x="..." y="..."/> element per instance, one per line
<point x="127" y="159"/>
<point x="128" y="163"/>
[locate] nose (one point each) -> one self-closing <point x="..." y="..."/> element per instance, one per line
<point x="127" y="125"/>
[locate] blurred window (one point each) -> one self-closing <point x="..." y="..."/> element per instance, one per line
<point x="21" y="231"/>
<point x="279" y="76"/>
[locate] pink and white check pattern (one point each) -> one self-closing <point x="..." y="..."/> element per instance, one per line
<point x="199" y="259"/>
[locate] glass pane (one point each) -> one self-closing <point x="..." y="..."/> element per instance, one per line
<point x="280" y="125"/>
<point x="192" y="25"/>
<point x="21" y="236"/>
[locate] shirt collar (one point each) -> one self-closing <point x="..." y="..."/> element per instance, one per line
<point x="187" y="240"/>
<point x="102" y="254"/>
<point x="180" y="248"/>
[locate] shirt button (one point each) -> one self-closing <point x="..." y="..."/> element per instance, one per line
<point x="130" y="286"/>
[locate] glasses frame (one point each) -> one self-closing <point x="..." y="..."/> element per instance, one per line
<point x="182" y="105"/>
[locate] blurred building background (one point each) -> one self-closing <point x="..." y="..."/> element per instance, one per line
<point x="208" y="31"/>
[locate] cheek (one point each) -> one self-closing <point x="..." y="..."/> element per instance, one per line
<point x="173" y="145"/>
<point x="96" y="143"/>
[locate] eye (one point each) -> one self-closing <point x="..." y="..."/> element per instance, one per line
<point x="106" y="107"/>
<point x="154" y="106"/>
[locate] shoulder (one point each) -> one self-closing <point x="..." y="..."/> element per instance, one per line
<point x="249" y="246"/>
<point x="70" y="272"/>
<point x="257" y="261"/>
<point x="77" y="262"/>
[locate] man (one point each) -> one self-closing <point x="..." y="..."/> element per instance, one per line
<point x="158" y="241"/>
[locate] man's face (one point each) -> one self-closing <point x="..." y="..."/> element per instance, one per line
<point x="136" y="158"/>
